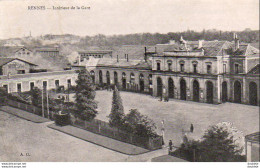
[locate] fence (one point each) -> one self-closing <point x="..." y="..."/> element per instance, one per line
<point x="103" y="128"/>
<point x="29" y="108"/>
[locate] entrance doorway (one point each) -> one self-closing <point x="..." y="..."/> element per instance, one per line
<point x="253" y="93"/>
<point x="224" y="92"/>
<point x="183" y="89"/>
<point x="171" y="88"/>
<point x="196" y="91"/>
<point x="159" y="87"/>
<point x="237" y="92"/>
<point x="209" y="92"/>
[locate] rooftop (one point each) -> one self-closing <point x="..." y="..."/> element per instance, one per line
<point x="123" y="63"/>
<point x="41" y="74"/>
<point x="8" y="51"/>
<point x="253" y="137"/>
<point x="47" y="49"/>
<point x="5" y="60"/>
<point x="96" y="51"/>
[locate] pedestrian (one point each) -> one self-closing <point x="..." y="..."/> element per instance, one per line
<point x="191" y="128"/>
<point x="170" y="145"/>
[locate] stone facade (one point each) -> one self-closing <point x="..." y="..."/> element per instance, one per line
<point x="25" y="82"/>
<point x="208" y="73"/>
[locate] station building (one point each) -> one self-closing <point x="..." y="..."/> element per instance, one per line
<point x="16" y="76"/>
<point x="201" y="71"/>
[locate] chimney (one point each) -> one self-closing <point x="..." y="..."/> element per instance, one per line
<point x="145" y="56"/>
<point x="117" y="60"/>
<point x="236" y="42"/>
<point x="127" y="57"/>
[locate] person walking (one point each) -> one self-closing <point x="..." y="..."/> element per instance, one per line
<point x="170" y="146"/>
<point x="191" y="128"/>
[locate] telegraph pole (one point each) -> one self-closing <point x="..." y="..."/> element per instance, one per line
<point x="47" y="104"/>
<point x="42" y="103"/>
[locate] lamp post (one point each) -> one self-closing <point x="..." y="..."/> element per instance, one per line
<point x="163" y="129"/>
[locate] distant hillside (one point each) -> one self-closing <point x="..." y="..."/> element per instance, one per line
<point x="132" y="44"/>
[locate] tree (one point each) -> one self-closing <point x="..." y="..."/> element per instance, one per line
<point x="3" y="94"/>
<point x="85" y="105"/>
<point x="36" y="95"/>
<point x="116" y="117"/>
<point x="220" y="143"/>
<point x="139" y="124"/>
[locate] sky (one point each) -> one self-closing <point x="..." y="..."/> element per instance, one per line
<point x="111" y="17"/>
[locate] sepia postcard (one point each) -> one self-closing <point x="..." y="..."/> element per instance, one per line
<point x="107" y="82"/>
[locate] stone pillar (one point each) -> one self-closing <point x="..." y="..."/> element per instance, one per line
<point x="245" y="99"/>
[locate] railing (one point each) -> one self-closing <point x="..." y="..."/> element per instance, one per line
<point x="103" y="128"/>
<point x="29" y="108"/>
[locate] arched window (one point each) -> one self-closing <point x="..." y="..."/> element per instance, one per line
<point x="115" y="77"/>
<point x="169" y="62"/>
<point x="100" y="77"/>
<point x="141" y="82"/>
<point x="124" y="81"/>
<point x="182" y="63"/>
<point x="92" y="74"/>
<point x="108" y="77"/>
<point x="195" y="65"/>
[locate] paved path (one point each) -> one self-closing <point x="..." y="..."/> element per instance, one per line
<point x="167" y="158"/>
<point x="100" y="140"/>
<point x="24" y="114"/>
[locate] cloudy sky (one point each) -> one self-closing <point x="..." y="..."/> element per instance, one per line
<point x="125" y="16"/>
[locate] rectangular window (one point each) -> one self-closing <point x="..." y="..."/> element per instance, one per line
<point x="195" y="68"/>
<point x="44" y="85"/>
<point x="20" y="71"/>
<point x="5" y="87"/>
<point x="236" y="68"/>
<point x="19" y="87"/>
<point x="158" y="66"/>
<point x="224" y="68"/>
<point x="182" y="67"/>
<point x="31" y="85"/>
<point x="57" y="83"/>
<point x="208" y="69"/>
<point x="69" y="83"/>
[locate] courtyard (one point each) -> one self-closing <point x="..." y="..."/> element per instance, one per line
<point x="44" y="144"/>
<point x="178" y="115"/>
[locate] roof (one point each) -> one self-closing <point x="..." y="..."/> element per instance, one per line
<point x="96" y="51"/>
<point x="47" y="49"/>
<point x="8" y="51"/>
<point x="253" y="137"/>
<point x="255" y="70"/>
<point x="4" y="61"/>
<point x="211" y="48"/>
<point x="123" y="63"/>
<point x="167" y="158"/>
<point x="40" y="74"/>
